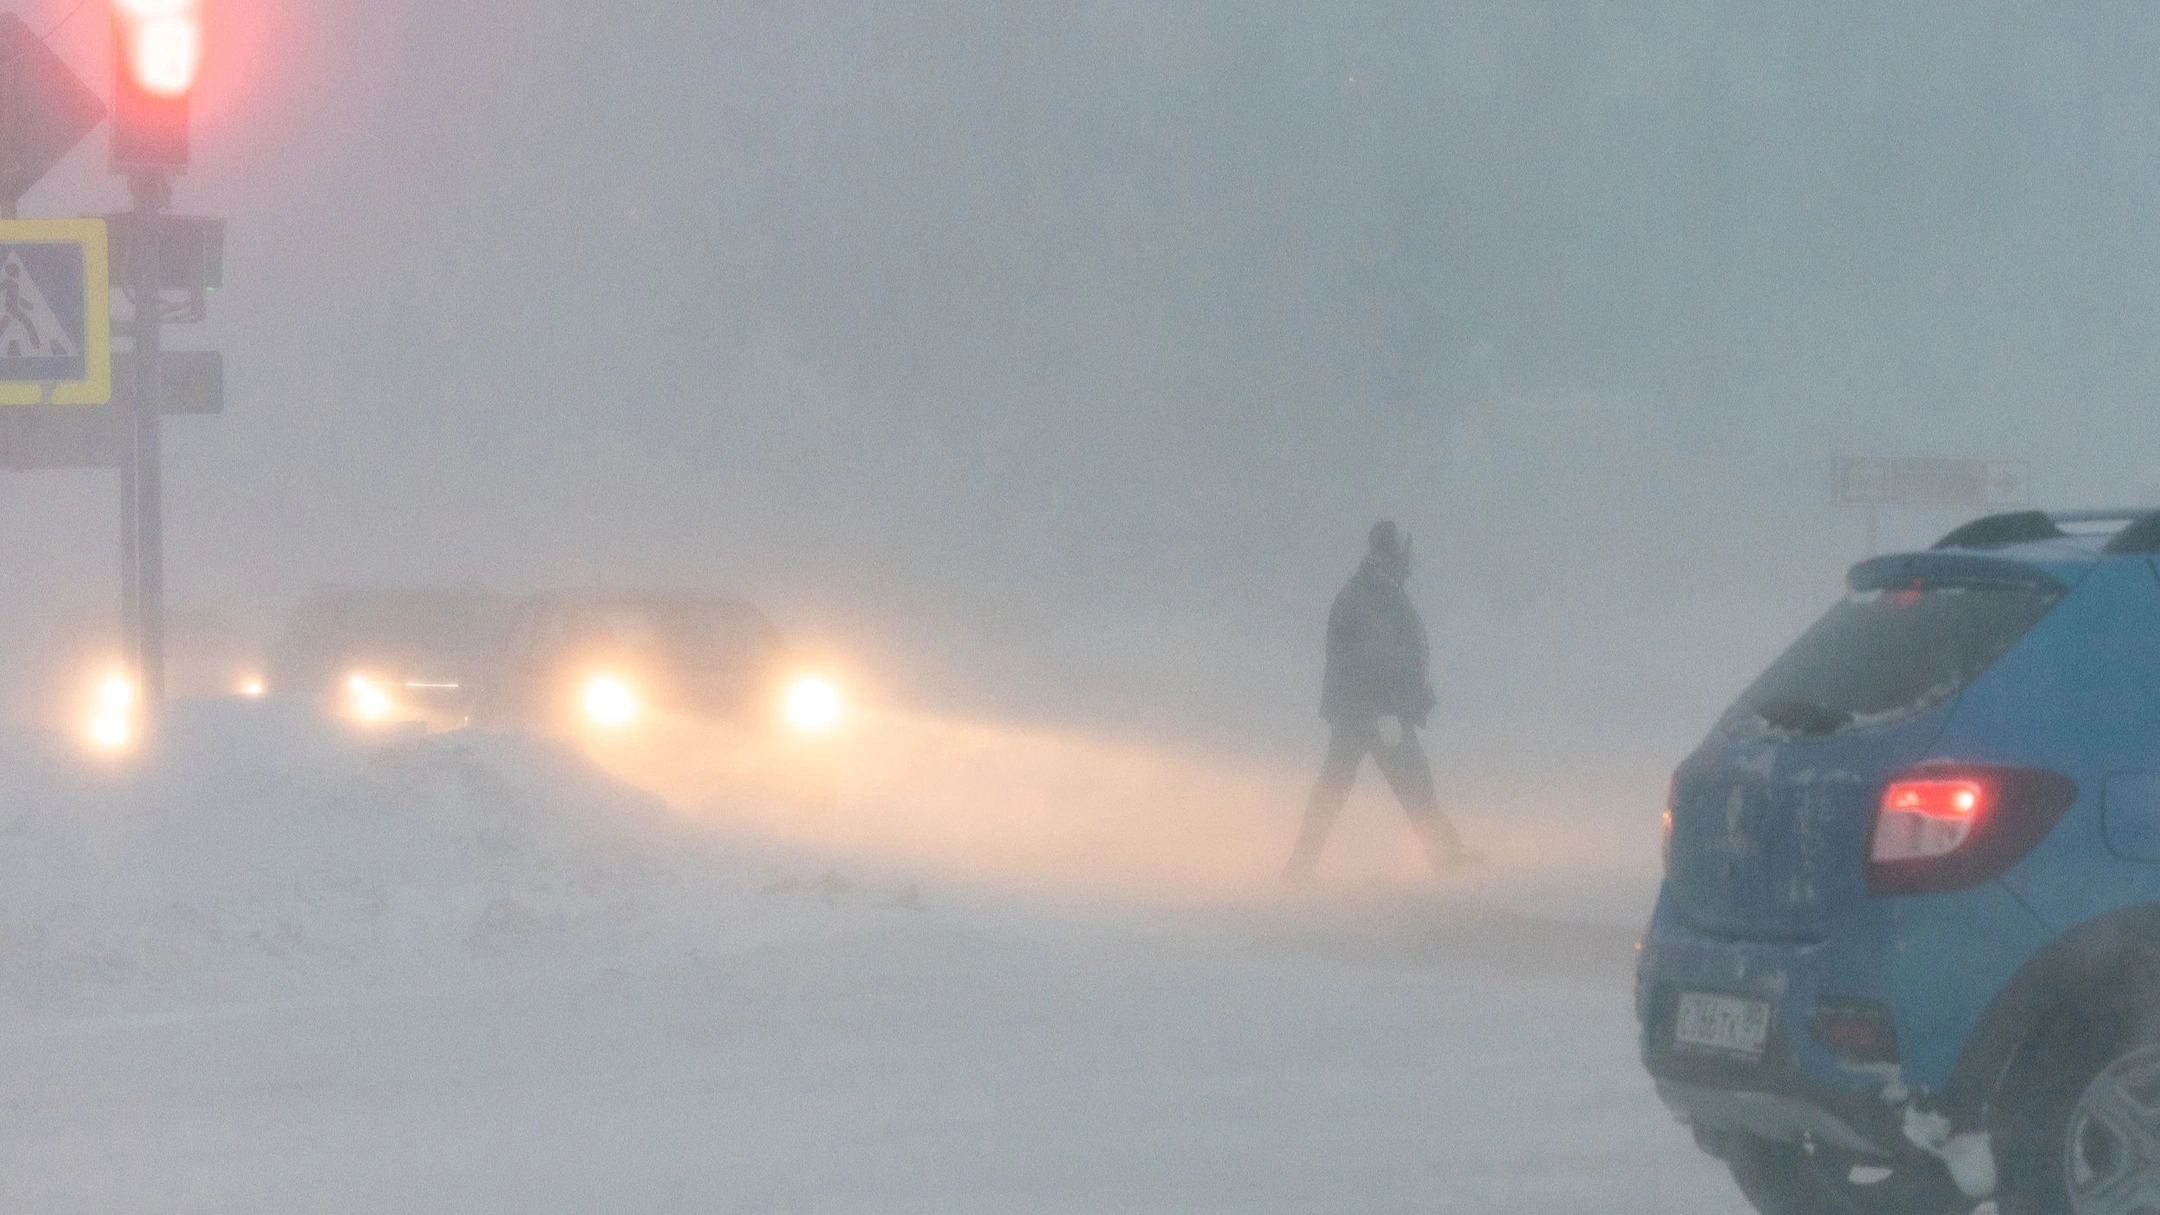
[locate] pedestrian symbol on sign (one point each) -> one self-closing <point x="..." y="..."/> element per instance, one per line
<point x="28" y="326"/>
<point x="55" y="318"/>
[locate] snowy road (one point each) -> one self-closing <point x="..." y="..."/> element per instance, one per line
<point x="275" y="970"/>
<point x="918" y="1063"/>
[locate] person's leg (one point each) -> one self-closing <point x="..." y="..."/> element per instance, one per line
<point x="1409" y="773"/>
<point x="1347" y="745"/>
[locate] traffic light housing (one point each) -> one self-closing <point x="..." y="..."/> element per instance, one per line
<point x="157" y="58"/>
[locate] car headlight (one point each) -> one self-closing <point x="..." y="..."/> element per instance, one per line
<point x="610" y="702"/>
<point x="112" y="724"/>
<point x="370" y="702"/>
<point x="813" y="704"/>
<point x="116" y="694"/>
<point x="110" y="731"/>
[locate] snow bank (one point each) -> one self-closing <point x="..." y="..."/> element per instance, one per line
<point x="262" y="854"/>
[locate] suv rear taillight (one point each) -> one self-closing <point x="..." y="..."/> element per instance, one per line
<point x="1672" y="799"/>
<point x="1946" y="827"/>
<point x="1921" y="819"/>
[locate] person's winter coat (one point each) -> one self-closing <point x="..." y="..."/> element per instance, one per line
<point x="1377" y="653"/>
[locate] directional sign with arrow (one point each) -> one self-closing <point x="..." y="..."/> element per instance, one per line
<point x="99" y="436"/>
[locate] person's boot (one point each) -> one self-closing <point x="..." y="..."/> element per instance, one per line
<point x="1443" y="847"/>
<point x="1311" y="841"/>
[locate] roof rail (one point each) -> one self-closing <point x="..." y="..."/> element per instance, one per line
<point x="2134" y="527"/>
<point x="1995" y="531"/>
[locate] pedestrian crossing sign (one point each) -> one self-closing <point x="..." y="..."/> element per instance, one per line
<point x="55" y="313"/>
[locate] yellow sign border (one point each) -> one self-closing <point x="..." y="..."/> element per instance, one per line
<point x="95" y="388"/>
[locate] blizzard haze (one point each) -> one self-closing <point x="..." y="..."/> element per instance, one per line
<point x="1041" y="368"/>
<point x="1059" y="358"/>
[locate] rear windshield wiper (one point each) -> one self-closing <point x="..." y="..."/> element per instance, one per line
<point x="1803" y="717"/>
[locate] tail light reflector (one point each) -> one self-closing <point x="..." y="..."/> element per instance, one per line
<point x="1948" y="827"/>
<point x="1927" y="818"/>
<point x="1857" y="1031"/>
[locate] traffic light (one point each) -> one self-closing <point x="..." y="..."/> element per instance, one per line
<point x="157" y="53"/>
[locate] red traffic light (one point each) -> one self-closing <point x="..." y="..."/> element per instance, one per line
<point x="157" y="58"/>
<point x="161" y="44"/>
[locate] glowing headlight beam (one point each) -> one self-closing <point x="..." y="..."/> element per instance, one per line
<point x="369" y="701"/>
<point x="111" y="731"/>
<point x="610" y="702"/>
<point x="813" y="705"/>
<point x="117" y="694"/>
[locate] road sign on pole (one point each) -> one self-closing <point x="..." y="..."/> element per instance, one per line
<point x="36" y="437"/>
<point x="55" y="318"/>
<point x="42" y="437"/>
<point x="1873" y="482"/>
<point x="45" y="110"/>
<point x="59" y="404"/>
<point x="1960" y="484"/>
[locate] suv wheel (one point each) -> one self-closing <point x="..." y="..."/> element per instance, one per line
<point x="1798" y="1179"/>
<point x="2080" y="1122"/>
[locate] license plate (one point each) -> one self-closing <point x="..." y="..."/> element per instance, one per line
<point x="1722" y="1025"/>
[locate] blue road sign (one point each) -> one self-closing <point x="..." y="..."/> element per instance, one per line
<point x="55" y="314"/>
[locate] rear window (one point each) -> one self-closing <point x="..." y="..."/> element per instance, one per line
<point x="1880" y="657"/>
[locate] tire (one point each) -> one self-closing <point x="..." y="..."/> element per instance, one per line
<point x="2077" y="1124"/>
<point x="1794" y="1179"/>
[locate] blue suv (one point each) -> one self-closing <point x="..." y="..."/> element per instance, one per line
<point x="1907" y="952"/>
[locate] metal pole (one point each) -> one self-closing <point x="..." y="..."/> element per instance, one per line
<point x="153" y="193"/>
<point x="130" y="567"/>
<point x="14" y="117"/>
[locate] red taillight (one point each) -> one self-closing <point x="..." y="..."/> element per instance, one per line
<point x="1672" y="800"/>
<point x="1927" y="818"/>
<point x="1951" y="826"/>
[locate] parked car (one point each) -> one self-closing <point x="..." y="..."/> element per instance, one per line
<point x="1907" y="951"/>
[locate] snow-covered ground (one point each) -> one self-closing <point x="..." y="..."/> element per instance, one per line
<point x="280" y="971"/>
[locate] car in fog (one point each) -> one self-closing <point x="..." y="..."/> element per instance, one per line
<point x="383" y="654"/>
<point x="580" y="663"/>
<point x="1907" y="951"/>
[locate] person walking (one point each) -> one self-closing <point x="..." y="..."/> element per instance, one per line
<point x="1376" y="695"/>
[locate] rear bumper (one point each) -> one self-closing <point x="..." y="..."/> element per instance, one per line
<point x="1795" y="1090"/>
<point x="1935" y="963"/>
<point x="1764" y="1115"/>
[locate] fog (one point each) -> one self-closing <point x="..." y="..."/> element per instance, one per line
<point x="1056" y="359"/>
<point x="1043" y="366"/>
